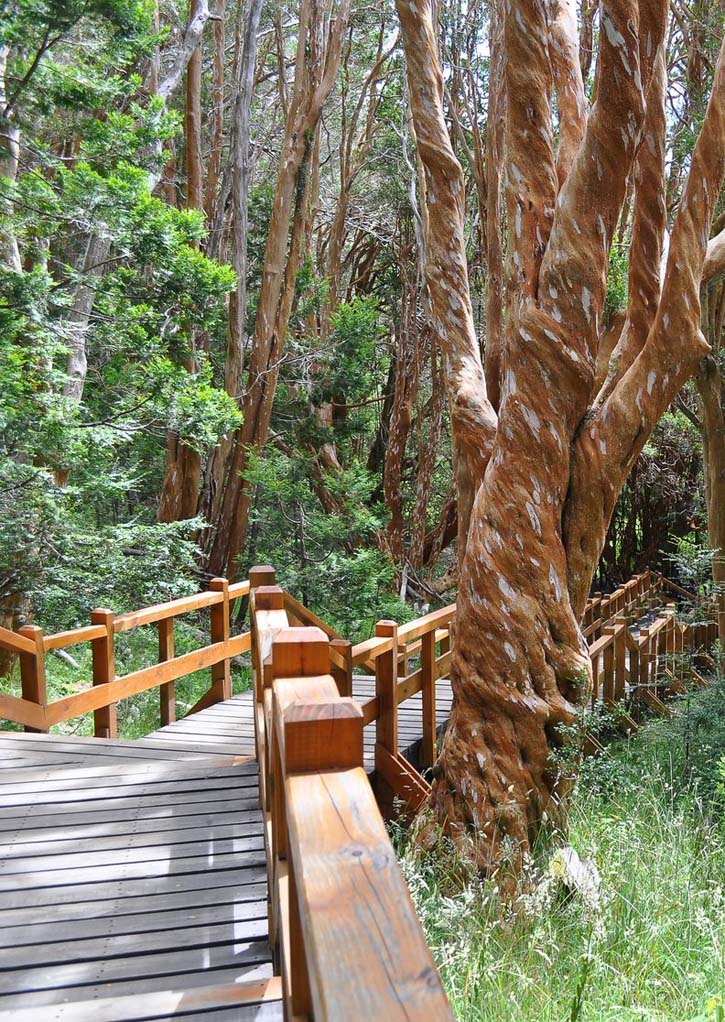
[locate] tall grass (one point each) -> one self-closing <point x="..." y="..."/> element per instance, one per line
<point x="654" y="949"/>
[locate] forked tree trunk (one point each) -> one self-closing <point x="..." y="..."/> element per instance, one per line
<point x="521" y="667"/>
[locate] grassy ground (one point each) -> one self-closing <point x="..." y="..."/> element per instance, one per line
<point x="654" y="948"/>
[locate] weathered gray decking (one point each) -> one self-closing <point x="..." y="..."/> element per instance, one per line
<point x="132" y="873"/>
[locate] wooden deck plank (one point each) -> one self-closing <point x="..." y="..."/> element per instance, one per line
<point x="131" y="819"/>
<point x="167" y="1004"/>
<point x="51" y="877"/>
<point x="127" y="887"/>
<point x="57" y="842"/>
<point x="20" y="795"/>
<point x="145" y="942"/>
<point x="59" y="860"/>
<point x="168" y="963"/>
<point x="236" y="894"/>
<point x="83" y="929"/>
<point x="186" y="980"/>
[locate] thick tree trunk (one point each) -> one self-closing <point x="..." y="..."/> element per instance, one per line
<point x="521" y="667"/>
<point x="709" y="383"/>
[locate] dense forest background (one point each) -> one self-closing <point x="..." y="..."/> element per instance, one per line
<point x="211" y="360"/>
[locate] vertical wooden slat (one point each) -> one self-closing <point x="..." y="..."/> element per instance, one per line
<point x="644" y="662"/>
<point x="221" y="673"/>
<point x="594" y="698"/>
<point x="428" y="695"/>
<point x="386" y="725"/>
<point x="608" y="667"/>
<point x="620" y="659"/>
<point x="32" y="672"/>
<point x="104" y="670"/>
<point x="260" y="575"/>
<point x="167" y="692"/>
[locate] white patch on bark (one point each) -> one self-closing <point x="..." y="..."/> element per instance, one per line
<point x="587" y="303"/>
<point x="533" y="420"/>
<point x="651" y="377"/>
<point x="481" y="759"/>
<point x="533" y="517"/>
<point x="554" y="579"/>
<point x="506" y="588"/>
<point x="510" y="652"/>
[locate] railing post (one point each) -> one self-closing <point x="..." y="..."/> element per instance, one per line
<point x="644" y="663"/>
<point x="104" y="671"/>
<point x="342" y="675"/>
<point x="297" y="653"/>
<point x="260" y="575"/>
<point x="167" y="692"/>
<point x="386" y="685"/>
<point x="221" y="673"/>
<point x="32" y="672"/>
<point x="428" y="697"/>
<point x="620" y="659"/>
<point x="608" y="667"/>
<point x="386" y="725"/>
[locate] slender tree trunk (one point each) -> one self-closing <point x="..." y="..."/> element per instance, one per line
<point x="495" y="127"/>
<point x="472" y="417"/>
<point x="314" y="77"/>
<point x="9" y="156"/>
<point x="180" y="492"/>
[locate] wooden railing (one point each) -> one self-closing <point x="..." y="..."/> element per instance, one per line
<point x="347" y="941"/>
<point x="32" y="708"/>
<point x="404" y="660"/>
<point x="640" y="593"/>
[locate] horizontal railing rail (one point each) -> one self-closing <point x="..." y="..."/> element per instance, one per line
<point x="422" y="656"/>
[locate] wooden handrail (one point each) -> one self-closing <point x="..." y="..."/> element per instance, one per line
<point x="422" y="625"/>
<point x="349" y="942"/>
<point x="14" y="642"/>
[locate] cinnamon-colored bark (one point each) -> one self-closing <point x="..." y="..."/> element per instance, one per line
<point x="473" y="420"/>
<point x="520" y="666"/>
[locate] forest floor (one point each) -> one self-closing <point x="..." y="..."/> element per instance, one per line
<point x="650" y="814"/>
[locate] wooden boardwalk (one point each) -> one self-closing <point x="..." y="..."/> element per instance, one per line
<point x="133" y="881"/>
<point x="132" y="873"/>
<point x="149" y="880"/>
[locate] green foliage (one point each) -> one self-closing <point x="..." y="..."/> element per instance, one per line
<point x="80" y="479"/>
<point x="328" y="561"/>
<point x="617" y="281"/>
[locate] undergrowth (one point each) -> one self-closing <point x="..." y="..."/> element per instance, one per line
<point x="652" y="948"/>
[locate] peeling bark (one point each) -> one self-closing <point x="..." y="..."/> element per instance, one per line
<point x="473" y="420"/>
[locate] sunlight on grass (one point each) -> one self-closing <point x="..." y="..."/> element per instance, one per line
<point x="654" y="951"/>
